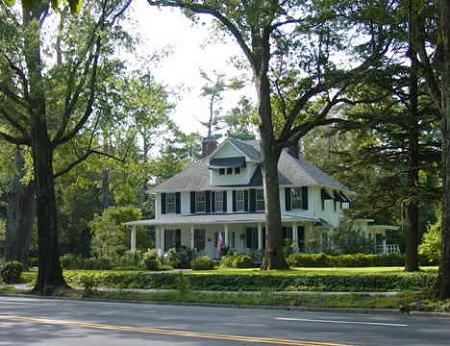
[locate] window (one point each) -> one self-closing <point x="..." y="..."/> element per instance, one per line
<point x="296" y="198"/>
<point x="229" y="170"/>
<point x="252" y="238"/>
<point x="237" y="170"/>
<point x="199" y="239"/>
<point x="222" y="171"/>
<point x="171" y="203"/>
<point x="323" y="204"/>
<point x="172" y="239"/>
<point x="260" y="205"/>
<point x="218" y="207"/>
<point x="200" y="202"/>
<point x="240" y="200"/>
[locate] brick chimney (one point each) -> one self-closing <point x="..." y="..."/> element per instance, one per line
<point x="209" y="144"/>
<point x="293" y="150"/>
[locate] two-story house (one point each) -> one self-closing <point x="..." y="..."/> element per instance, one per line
<point x="221" y="197"/>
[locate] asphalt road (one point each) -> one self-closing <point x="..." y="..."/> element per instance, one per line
<point x="28" y="321"/>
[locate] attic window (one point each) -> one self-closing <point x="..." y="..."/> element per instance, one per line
<point x="222" y="171"/>
<point x="237" y="170"/>
<point x="229" y="171"/>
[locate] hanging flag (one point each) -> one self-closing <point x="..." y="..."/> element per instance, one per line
<point x="219" y="243"/>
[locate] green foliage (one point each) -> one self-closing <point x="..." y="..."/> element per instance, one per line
<point x="237" y="260"/>
<point x="70" y="261"/>
<point x="431" y="244"/>
<point x="248" y="282"/>
<point x="150" y="260"/>
<point x="202" y="263"/>
<point x="351" y="260"/>
<point x="10" y="272"/>
<point x="351" y="240"/>
<point x="110" y="239"/>
<point x="2" y="235"/>
<point x="131" y="260"/>
<point x="178" y="258"/>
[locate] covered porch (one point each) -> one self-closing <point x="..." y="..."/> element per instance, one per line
<point x="244" y="233"/>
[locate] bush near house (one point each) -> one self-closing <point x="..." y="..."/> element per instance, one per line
<point x="202" y="263"/>
<point x="237" y="261"/>
<point x="178" y="258"/>
<point x="10" y="272"/>
<point x="353" y="260"/>
<point x="150" y="260"/>
<point x="256" y="282"/>
<point x="70" y="261"/>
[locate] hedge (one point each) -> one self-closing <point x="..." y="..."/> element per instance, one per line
<point x="354" y="260"/>
<point x="362" y="283"/>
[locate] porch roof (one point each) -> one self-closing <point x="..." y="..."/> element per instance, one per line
<point x="216" y="219"/>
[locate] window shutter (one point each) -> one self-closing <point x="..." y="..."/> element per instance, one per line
<point x="192" y="202"/>
<point x="178" y="238"/>
<point x="213" y="201"/>
<point x="305" y="197"/>
<point x="207" y="202"/>
<point x="163" y="203"/>
<point x="252" y="200"/>
<point x="287" y="198"/>
<point x="246" y="200"/>
<point x="224" y="201"/>
<point x="248" y="243"/>
<point x="178" y="202"/>
<point x="234" y="200"/>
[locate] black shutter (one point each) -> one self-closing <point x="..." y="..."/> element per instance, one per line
<point x="305" y="197"/>
<point x="178" y="202"/>
<point x="163" y="203"/>
<point x="192" y="202"/>
<point x="224" y="201"/>
<point x="246" y="200"/>
<point x="287" y="198"/>
<point x="178" y="238"/>
<point x="207" y="202"/>
<point x="248" y="243"/>
<point x="252" y="200"/>
<point x="234" y="200"/>
<point x="213" y="201"/>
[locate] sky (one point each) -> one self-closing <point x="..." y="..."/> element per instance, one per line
<point x="193" y="47"/>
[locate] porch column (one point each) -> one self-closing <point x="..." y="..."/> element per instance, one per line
<point x="162" y="237"/>
<point x="133" y="238"/>
<point x="384" y="245"/>
<point x="192" y="237"/>
<point x="260" y="237"/>
<point x="227" y="235"/>
<point x="295" y="236"/>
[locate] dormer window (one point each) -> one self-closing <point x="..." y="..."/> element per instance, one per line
<point x="222" y="171"/>
<point x="229" y="171"/>
<point x="237" y="170"/>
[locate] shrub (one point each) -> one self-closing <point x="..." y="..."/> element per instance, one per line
<point x="178" y="258"/>
<point x="10" y="272"/>
<point x="430" y="248"/>
<point x="353" y="260"/>
<point x="70" y="261"/>
<point x="248" y="282"/>
<point x="131" y="259"/>
<point x="150" y="260"/>
<point x="202" y="263"/>
<point x="237" y="261"/>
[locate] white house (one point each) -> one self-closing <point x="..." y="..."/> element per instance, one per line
<point x="221" y="197"/>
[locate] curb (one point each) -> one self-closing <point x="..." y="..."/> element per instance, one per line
<point x="244" y="306"/>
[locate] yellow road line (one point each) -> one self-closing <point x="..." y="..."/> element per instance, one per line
<point x="170" y="332"/>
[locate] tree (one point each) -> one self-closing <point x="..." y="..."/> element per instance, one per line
<point x="432" y="44"/>
<point x="31" y="93"/>
<point x="288" y="46"/>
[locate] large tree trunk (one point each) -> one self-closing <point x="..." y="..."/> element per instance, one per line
<point x="50" y="274"/>
<point x="412" y="204"/>
<point x="444" y="272"/>
<point x="20" y="215"/>
<point x="274" y="256"/>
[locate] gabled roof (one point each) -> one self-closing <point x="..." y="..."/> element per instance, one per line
<point x="291" y="172"/>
